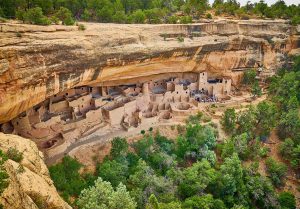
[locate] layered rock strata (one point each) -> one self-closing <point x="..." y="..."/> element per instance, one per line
<point x="37" y="62"/>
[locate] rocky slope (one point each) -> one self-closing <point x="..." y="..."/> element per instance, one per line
<point x="30" y="186"/>
<point x="39" y="61"/>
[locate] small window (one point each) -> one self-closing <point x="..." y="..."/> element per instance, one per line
<point x="81" y="105"/>
<point x="17" y="123"/>
<point x="177" y="92"/>
<point x="202" y="73"/>
<point x="90" y="103"/>
<point x="225" y="81"/>
<point x="186" y="92"/>
<point x="81" y="88"/>
<point x="55" y="95"/>
<point x="67" y="94"/>
<point x="82" y="99"/>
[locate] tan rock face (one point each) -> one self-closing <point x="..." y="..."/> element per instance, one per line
<point x="31" y="185"/>
<point x="47" y="60"/>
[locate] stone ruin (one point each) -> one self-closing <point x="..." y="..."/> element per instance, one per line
<point x="67" y="116"/>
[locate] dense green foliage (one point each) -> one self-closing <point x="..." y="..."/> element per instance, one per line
<point x="67" y="179"/>
<point x="277" y="10"/>
<point x="103" y="196"/>
<point x="139" y="11"/>
<point x="285" y="93"/>
<point x="162" y="173"/>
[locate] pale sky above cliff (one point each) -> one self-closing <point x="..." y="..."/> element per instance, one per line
<point x="288" y="2"/>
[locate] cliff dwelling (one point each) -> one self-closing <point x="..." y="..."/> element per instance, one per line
<point x="67" y="116"/>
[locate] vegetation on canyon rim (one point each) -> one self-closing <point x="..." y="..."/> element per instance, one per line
<point x="194" y="171"/>
<point x="46" y="12"/>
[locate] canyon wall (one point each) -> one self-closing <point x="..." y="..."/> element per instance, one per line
<point x="37" y="62"/>
<point x="30" y="184"/>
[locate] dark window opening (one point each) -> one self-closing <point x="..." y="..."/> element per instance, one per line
<point x="17" y="123"/>
<point x="67" y="94"/>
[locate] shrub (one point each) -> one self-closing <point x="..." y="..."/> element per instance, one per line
<point x="19" y="35"/>
<point x="151" y="129"/>
<point x="180" y="39"/>
<point x="65" y="16"/>
<point x="39" y="201"/>
<point x="14" y="154"/>
<point x="35" y="16"/>
<point x="86" y="15"/>
<point x="229" y="120"/>
<point x="4" y="177"/>
<point x="245" y="17"/>
<point x="119" y="147"/>
<point x="120" y="17"/>
<point x="137" y="16"/>
<point x="186" y="20"/>
<point x="287" y="200"/>
<point x="295" y="20"/>
<point x="21" y="169"/>
<point x="81" y="27"/>
<point x="249" y="77"/>
<point x="143" y="132"/>
<point x="208" y="16"/>
<point x="172" y="19"/>
<point x="276" y="171"/>
<point x="256" y="90"/>
<point x="55" y="20"/>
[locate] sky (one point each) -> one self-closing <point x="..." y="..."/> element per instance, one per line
<point x="288" y="2"/>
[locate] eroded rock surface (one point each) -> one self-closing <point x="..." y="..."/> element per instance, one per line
<point x="37" y="62"/>
<point x="29" y="180"/>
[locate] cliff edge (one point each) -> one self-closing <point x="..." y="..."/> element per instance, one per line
<point x="29" y="182"/>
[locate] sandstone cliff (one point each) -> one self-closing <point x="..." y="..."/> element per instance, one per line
<point x="39" y="61"/>
<point x="30" y="185"/>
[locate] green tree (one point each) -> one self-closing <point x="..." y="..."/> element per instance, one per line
<point x="196" y="178"/>
<point x="246" y="121"/>
<point x="287" y="200"/>
<point x="113" y="171"/>
<point x="119" y="147"/>
<point x="286" y="148"/>
<point x="65" y="15"/>
<point x="103" y="196"/>
<point x="266" y="117"/>
<point x="204" y="202"/>
<point x="260" y="8"/>
<point x="120" y="17"/>
<point x="276" y="170"/>
<point x="289" y="125"/>
<point x="35" y="16"/>
<point x="231" y="181"/>
<point x="256" y="89"/>
<point x="66" y="177"/>
<point x="228" y="120"/>
<point x="249" y="77"/>
<point x="145" y="182"/>
<point x="137" y="16"/>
